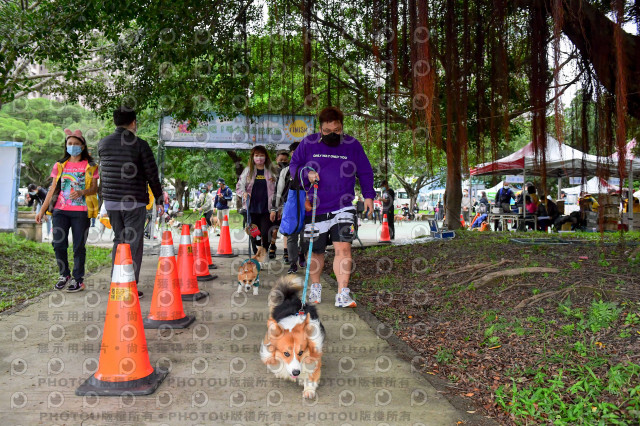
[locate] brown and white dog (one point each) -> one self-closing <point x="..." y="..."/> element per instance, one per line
<point x="215" y="224"/>
<point x="292" y="346"/>
<point x="249" y="272"/>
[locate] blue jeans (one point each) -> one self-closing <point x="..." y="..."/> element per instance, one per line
<point x="79" y="223"/>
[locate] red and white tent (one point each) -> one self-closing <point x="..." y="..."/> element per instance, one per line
<point x="561" y="160"/>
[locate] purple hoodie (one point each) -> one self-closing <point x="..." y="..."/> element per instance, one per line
<point x="337" y="167"/>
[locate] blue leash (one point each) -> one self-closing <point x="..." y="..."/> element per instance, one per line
<point x="313" y="224"/>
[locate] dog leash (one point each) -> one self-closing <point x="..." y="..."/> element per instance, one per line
<point x="313" y="224"/>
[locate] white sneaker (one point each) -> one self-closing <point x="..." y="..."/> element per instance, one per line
<point x="315" y="293"/>
<point x="344" y="300"/>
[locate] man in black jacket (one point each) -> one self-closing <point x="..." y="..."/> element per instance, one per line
<point x="127" y="166"/>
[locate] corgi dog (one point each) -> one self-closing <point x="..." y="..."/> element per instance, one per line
<point x="173" y="223"/>
<point x="249" y="272"/>
<point x="292" y="346"/>
<point x="215" y="224"/>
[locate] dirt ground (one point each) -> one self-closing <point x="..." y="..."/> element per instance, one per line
<point x="562" y="326"/>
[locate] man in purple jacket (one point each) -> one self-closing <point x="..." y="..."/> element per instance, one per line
<point x="337" y="159"/>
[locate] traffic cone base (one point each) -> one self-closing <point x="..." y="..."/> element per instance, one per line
<point x="177" y="323"/>
<point x="145" y="386"/>
<point x="195" y="296"/>
<point x="207" y="278"/>
<point x="225" y="255"/>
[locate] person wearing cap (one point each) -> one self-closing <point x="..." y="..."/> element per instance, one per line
<point x="295" y="245"/>
<point x="127" y="166"/>
<point x="73" y="195"/>
<point x="275" y="215"/>
<point x="388" y="202"/>
<point x="503" y="200"/>
<point x="205" y="202"/>
<point x="221" y="201"/>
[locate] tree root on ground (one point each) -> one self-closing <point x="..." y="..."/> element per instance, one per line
<point x="486" y="279"/>
<point x="475" y="268"/>
<point x="564" y="293"/>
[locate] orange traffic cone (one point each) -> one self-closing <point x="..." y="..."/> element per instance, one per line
<point x="201" y="265"/>
<point x="207" y="244"/>
<point x="385" y="238"/>
<point x="166" y="303"/>
<point x="462" y="221"/>
<point x="124" y="366"/>
<point x="186" y="273"/>
<point x="224" y="244"/>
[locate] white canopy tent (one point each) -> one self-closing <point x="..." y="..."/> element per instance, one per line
<point x="595" y="185"/>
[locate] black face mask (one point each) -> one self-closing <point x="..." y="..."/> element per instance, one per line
<point x="332" y="139"/>
<point x="283" y="164"/>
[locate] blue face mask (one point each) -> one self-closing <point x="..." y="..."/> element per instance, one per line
<point x="74" y="149"/>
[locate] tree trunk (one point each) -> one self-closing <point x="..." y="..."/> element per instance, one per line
<point x="453" y="190"/>
<point x="239" y="167"/>
<point x="238" y="164"/>
<point x="179" y="186"/>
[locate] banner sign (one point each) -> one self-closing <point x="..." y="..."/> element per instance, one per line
<point x="10" y="158"/>
<point x="241" y="132"/>
<point x="614" y="181"/>
<point x="575" y="181"/>
<point x="514" y="178"/>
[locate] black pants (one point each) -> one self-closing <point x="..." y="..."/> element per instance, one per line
<point x="392" y="227"/>
<point x="128" y="228"/>
<point x="79" y="224"/>
<point x="264" y="224"/>
<point x="376" y="216"/>
<point x="207" y="216"/>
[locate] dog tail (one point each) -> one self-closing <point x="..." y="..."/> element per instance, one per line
<point x="285" y="288"/>
<point x="260" y="255"/>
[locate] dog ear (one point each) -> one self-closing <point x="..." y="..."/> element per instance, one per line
<point x="273" y="329"/>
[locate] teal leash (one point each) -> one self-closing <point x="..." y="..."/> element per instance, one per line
<point x="313" y="224"/>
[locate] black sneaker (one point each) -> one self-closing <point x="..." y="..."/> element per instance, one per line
<point x="140" y="294"/>
<point x="75" y="286"/>
<point x="286" y="257"/>
<point x="272" y="251"/>
<point x="62" y="282"/>
<point x="293" y="269"/>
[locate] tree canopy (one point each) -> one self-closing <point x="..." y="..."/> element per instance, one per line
<point x="453" y="73"/>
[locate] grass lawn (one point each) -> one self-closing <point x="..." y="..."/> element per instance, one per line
<point x="558" y="346"/>
<point x="235" y="219"/>
<point x="28" y="269"/>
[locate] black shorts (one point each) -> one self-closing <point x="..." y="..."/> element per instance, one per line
<point x="338" y="226"/>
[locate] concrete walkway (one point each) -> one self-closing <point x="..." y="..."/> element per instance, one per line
<point x="216" y="377"/>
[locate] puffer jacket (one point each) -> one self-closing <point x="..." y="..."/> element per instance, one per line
<point x="127" y="165"/>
